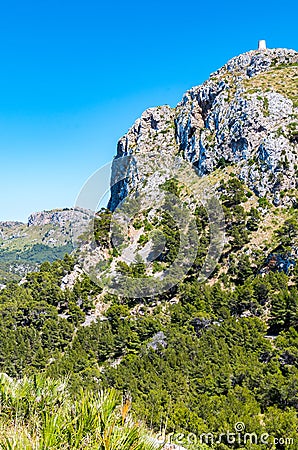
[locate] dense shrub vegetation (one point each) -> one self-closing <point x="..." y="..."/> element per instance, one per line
<point x="214" y="366"/>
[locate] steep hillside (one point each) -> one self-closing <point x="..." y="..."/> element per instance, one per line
<point x="229" y="147"/>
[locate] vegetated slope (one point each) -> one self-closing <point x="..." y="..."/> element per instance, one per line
<point x="199" y="357"/>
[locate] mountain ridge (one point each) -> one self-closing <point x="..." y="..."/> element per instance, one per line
<point x="199" y="355"/>
<point x="229" y="123"/>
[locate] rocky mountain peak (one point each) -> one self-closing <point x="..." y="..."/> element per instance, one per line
<point x="245" y="114"/>
<point x="256" y="61"/>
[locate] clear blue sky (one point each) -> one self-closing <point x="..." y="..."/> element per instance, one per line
<point x="75" y="75"/>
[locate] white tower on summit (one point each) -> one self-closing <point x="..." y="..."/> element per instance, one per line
<point x="262" y="44"/>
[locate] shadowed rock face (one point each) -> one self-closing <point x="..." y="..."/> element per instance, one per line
<point x="245" y="114"/>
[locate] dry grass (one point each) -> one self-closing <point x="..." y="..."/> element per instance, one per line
<point x="281" y="79"/>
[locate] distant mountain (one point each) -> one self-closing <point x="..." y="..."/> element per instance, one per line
<point x="47" y="236"/>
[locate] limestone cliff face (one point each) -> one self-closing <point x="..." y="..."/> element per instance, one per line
<point x="150" y="137"/>
<point x="245" y="115"/>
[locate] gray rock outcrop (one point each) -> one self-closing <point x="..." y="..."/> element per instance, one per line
<point x="245" y="114"/>
<point x="61" y="217"/>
